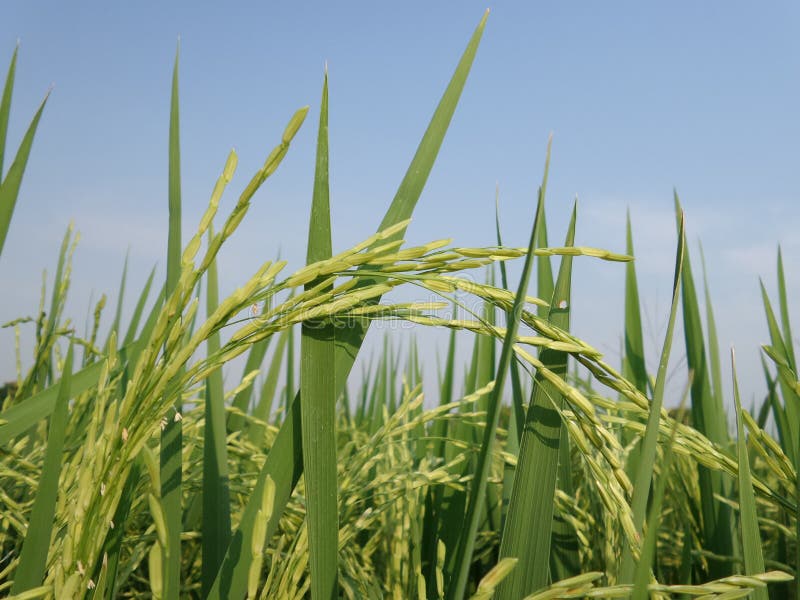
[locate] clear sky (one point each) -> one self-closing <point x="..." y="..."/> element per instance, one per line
<point x="641" y="97"/>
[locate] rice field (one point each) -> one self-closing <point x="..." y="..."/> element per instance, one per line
<point x="129" y="469"/>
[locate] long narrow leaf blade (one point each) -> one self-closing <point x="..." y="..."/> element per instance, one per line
<point x="113" y="544"/>
<point x="708" y="417"/>
<point x="120" y="300"/>
<point x="5" y="106"/>
<point x="791" y="406"/>
<point x="33" y="558"/>
<point x="784" y="308"/>
<point x="544" y="269"/>
<point x="21" y="417"/>
<point x="713" y="344"/>
<point x="751" y="535"/>
<point x="477" y="493"/>
<point x="647" y="449"/>
<point x="319" y="395"/>
<point x="564" y="557"/>
<point x="133" y="326"/>
<point x="9" y="188"/>
<point x="527" y="534"/>
<point x="172" y="435"/>
<point x="517" y="417"/>
<point x="417" y="175"/>
<point x="641" y="577"/>
<point x="635" y="369"/>
<point x="216" y="527"/>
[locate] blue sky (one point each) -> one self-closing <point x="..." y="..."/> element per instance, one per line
<point x="640" y="98"/>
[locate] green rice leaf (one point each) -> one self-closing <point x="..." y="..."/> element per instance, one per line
<point x="787" y="416"/>
<point x="113" y="544"/>
<point x="634" y="365"/>
<point x="5" y="106"/>
<point x="59" y="289"/>
<point x="784" y="308"/>
<point x="641" y="577"/>
<point x="133" y="326"/>
<point x="290" y="390"/>
<point x="216" y="526"/>
<point x="33" y="558"/>
<point x="528" y="530"/>
<point x="477" y="491"/>
<point x="417" y="175"/>
<point x="647" y="449"/>
<point x="786" y="377"/>
<point x="9" y="188"/>
<point x="319" y="395"/>
<point x="22" y="416"/>
<point x="751" y="535"/>
<point x="285" y="471"/>
<point x="171" y="436"/>
<point x="517" y="417"/>
<point x="633" y="362"/>
<point x="101" y="586"/>
<point x="437" y="499"/>
<point x="708" y="417"/>
<point x="544" y="269"/>
<point x="445" y="395"/>
<point x="713" y="344"/>
<point x="120" y="298"/>
<point x="564" y="558"/>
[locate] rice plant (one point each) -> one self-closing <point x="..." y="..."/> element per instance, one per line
<point x="540" y="471"/>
